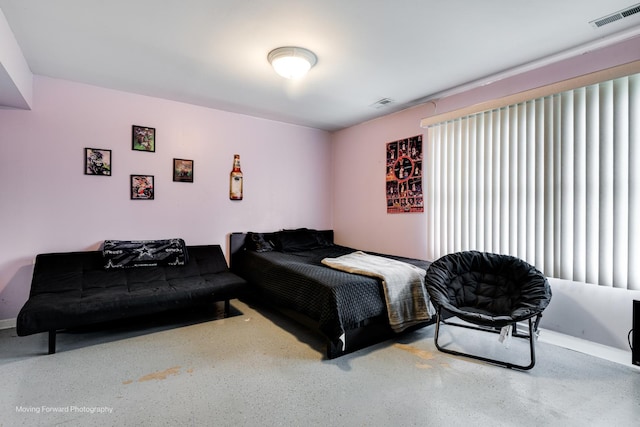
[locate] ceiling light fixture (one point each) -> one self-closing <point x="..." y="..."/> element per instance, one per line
<point x="292" y="62"/>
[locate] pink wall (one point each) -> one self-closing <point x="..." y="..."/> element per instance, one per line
<point x="49" y="205"/>
<point x="360" y="216"/>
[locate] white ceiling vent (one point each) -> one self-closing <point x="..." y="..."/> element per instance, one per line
<point x="384" y="102"/>
<point x="624" y="13"/>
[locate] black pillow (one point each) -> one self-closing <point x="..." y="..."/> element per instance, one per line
<point x="144" y="253"/>
<point x="325" y="238"/>
<point x="258" y="242"/>
<point x="301" y="239"/>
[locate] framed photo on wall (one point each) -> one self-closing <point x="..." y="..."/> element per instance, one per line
<point x="143" y="138"/>
<point x="142" y="187"/>
<point x="182" y="170"/>
<point x="97" y="161"/>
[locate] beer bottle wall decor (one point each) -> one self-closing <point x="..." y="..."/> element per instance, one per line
<point x="235" y="180"/>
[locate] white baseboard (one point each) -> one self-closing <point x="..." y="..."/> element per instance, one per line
<point x="588" y="347"/>
<point x="7" y="323"/>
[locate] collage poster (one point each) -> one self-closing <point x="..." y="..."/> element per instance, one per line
<point x="404" y="175"/>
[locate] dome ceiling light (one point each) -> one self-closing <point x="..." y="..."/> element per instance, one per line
<point x="292" y="62"/>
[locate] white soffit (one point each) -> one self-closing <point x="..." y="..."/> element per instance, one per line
<point x="16" y="80"/>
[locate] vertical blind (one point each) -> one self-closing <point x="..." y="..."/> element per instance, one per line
<point x="554" y="181"/>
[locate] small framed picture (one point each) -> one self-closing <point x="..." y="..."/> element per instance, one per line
<point x="182" y="170"/>
<point x="142" y="187"/>
<point x="97" y="161"/>
<point x="143" y="138"/>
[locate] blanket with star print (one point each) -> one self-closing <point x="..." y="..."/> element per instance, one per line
<point x="143" y="253"/>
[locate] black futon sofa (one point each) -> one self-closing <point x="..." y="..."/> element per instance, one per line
<point x="74" y="289"/>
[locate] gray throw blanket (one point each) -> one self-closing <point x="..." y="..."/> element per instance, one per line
<point x="403" y="284"/>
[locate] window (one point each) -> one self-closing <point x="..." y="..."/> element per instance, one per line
<point x="554" y="181"/>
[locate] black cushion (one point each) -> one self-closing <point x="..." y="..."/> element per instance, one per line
<point x="487" y="289"/>
<point x="73" y="289"/>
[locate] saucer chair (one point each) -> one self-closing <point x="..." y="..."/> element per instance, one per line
<point x="490" y="292"/>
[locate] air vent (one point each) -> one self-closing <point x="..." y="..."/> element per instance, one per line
<point x="632" y="10"/>
<point x="384" y="102"/>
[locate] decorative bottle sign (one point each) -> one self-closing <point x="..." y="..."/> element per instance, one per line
<point x="235" y="183"/>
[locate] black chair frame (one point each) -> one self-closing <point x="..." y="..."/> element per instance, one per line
<point x="532" y="336"/>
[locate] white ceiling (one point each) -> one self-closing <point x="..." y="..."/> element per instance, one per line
<point x="214" y="52"/>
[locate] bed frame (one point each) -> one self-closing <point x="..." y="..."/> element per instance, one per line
<point x="374" y="332"/>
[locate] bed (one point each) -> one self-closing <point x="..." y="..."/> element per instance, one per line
<point x="285" y="270"/>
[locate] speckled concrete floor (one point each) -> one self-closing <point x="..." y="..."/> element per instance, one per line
<point x="260" y="369"/>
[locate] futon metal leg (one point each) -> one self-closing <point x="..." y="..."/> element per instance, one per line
<point x="227" y="308"/>
<point x="52" y="341"/>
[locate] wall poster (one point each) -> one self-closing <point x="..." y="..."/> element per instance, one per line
<point x="404" y="175"/>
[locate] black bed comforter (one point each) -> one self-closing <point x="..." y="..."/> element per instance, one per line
<point x="337" y="300"/>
